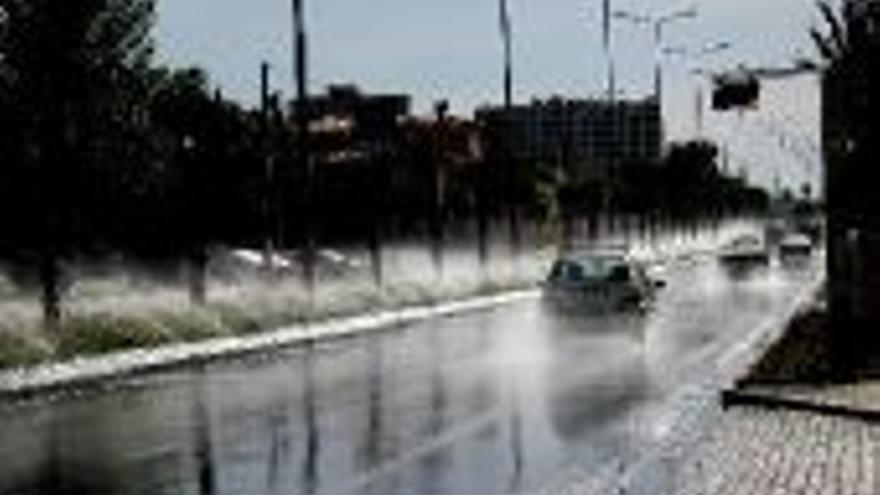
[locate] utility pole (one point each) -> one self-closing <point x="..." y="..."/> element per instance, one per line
<point x="658" y="62"/>
<point x="511" y="167"/>
<point x="605" y="200"/>
<point x="607" y="45"/>
<point x="438" y="204"/>
<point x="269" y="173"/>
<point x="506" y="36"/>
<point x="300" y="63"/>
<point x="698" y="110"/>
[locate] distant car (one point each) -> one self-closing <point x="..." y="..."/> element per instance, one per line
<point x="795" y="245"/>
<point x="599" y="280"/>
<point x="329" y="262"/>
<point x="745" y="249"/>
<point x="244" y="263"/>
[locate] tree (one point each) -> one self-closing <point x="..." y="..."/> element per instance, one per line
<point x="66" y="69"/>
<point x="188" y="122"/>
<point x="850" y="47"/>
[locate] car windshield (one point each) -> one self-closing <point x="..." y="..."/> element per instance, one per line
<point x="586" y="268"/>
<point x="747" y="241"/>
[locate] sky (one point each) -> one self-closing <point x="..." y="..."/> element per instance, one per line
<point x="450" y="49"/>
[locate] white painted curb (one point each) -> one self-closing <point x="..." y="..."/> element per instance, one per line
<point x="95" y="369"/>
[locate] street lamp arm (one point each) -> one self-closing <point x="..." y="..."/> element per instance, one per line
<point x="689" y="13"/>
<point x="676" y="50"/>
<point x="714" y="48"/>
<point x="706" y="50"/>
<point x="632" y="17"/>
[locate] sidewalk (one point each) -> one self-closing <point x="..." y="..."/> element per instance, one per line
<point x="748" y="450"/>
<point x="782" y="431"/>
<point x="756" y="450"/>
<point x="786" y="430"/>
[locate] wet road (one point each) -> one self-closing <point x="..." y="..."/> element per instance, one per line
<point x="494" y="402"/>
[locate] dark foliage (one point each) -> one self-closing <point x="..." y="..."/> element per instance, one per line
<point x="103" y="152"/>
<point x="850" y="45"/>
<point x="69" y="74"/>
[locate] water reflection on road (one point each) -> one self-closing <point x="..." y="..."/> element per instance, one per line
<point x="494" y="402"/>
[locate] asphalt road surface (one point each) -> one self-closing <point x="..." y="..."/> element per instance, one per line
<point x="501" y="401"/>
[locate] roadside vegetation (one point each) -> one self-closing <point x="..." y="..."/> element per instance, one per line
<point x="113" y="314"/>
<point x="106" y="152"/>
<point x="118" y="312"/>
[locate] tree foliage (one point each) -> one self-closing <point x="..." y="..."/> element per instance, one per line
<point x="71" y="71"/>
<point x="67" y="70"/>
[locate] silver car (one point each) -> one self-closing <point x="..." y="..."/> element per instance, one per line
<point x="746" y="249"/>
<point x="795" y="245"/>
<point x="603" y="280"/>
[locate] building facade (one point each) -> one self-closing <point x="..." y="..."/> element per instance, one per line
<point x="348" y="125"/>
<point x="585" y="135"/>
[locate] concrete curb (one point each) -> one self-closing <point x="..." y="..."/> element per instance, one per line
<point x="92" y="372"/>
<point x="736" y="395"/>
<point x="733" y="398"/>
<point x="761" y="341"/>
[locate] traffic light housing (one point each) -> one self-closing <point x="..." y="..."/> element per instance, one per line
<point x="736" y="91"/>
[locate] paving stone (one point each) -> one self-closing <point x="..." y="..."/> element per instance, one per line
<point x="751" y="450"/>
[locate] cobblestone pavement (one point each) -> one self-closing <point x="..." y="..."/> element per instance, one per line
<point x="761" y="451"/>
<point x="747" y="450"/>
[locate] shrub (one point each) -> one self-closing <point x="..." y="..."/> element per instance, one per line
<point x="23" y="349"/>
<point x="239" y="320"/>
<point x="101" y="333"/>
<point x="192" y="325"/>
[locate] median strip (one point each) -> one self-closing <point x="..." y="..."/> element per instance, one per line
<point x="24" y="383"/>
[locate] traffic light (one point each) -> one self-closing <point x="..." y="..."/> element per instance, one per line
<point x="736" y="91"/>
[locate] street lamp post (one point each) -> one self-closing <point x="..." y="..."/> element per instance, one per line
<point x="699" y="101"/>
<point x="658" y="42"/>
<point x="657" y="23"/>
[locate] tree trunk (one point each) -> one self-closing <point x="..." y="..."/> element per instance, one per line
<point x="197" y="276"/>
<point x="50" y="284"/>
